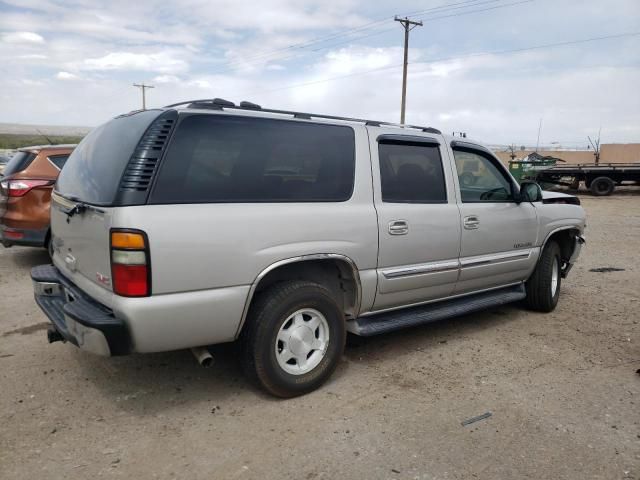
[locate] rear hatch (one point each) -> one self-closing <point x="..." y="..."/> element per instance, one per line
<point x="110" y="168"/>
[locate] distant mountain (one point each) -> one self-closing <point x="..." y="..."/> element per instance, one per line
<point x="17" y="128"/>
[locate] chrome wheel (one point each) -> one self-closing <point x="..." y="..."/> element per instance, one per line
<point x="555" y="277"/>
<point x="302" y="341"/>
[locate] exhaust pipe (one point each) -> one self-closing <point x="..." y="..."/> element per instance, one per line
<point x="203" y="356"/>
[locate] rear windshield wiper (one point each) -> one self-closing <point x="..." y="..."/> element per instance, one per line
<point x="79" y="208"/>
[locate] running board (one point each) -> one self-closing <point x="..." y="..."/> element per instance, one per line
<point x="412" y="316"/>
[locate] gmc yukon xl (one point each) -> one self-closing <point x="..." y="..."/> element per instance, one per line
<point x="207" y="222"/>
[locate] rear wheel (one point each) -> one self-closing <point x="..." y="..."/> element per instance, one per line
<point x="602" y="186"/>
<point x="543" y="287"/>
<point x="294" y="338"/>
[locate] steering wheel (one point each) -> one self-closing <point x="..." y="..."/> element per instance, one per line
<point x="488" y="195"/>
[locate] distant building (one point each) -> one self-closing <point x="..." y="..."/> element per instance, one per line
<point x="609" y="153"/>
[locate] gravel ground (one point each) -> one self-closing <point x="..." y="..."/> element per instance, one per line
<point x="562" y="389"/>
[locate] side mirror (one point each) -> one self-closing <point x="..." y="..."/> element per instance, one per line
<point x="530" y="192"/>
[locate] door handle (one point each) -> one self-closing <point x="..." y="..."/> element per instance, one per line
<point x="398" y="227"/>
<point x="471" y="222"/>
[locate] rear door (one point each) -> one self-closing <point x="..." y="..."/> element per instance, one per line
<point x="418" y="218"/>
<point x="499" y="235"/>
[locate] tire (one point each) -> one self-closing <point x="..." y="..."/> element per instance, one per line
<point x="542" y="291"/>
<point x="290" y="311"/>
<point x="602" y="186"/>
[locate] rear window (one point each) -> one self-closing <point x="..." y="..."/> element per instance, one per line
<point x="221" y="158"/>
<point x="19" y="162"/>
<point x="94" y="169"/>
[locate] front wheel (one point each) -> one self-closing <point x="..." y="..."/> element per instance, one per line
<point x="543" y="287"/>
<point x="294" y="338"/>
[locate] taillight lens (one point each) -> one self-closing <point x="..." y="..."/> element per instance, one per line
<point x="130" y="266"/>
<point x="18" y="188"/>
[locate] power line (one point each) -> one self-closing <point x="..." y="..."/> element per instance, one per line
<point x="273" y="55"/>
<point x="365" y="26"/>
<point x="446" y="59"/>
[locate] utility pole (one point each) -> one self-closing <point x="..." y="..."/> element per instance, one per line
<point x="408" y="25"/>
<point x="143" y="88"/>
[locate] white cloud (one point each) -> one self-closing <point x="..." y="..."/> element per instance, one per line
<point x="163" y="62"/>
<point x="66" y="76"/>
<point x="22" y="38"/>
<point x="166" y="79"/>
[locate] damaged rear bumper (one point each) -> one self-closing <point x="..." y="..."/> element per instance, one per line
<point x="77" y="318"/>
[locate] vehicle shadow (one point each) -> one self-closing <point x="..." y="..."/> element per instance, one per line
<point x="150" y="383"/>
<point x="370" y="350"/>
<point x="29" y="257"/>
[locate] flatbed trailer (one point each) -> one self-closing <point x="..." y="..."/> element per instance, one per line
<point x="600" y="178"/>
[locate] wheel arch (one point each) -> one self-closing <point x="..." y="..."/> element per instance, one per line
<point x="565" y="238"/>
<point x="336" y="271"/>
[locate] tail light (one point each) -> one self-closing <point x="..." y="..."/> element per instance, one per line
<point x="18" y="188"/>
<point x="130" y="263"/>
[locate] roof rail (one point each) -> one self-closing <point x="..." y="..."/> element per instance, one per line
<point x="222" y="104"/>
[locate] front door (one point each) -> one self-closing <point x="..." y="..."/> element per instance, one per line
<point x="418" y="219"/>
<point x="499" y="236"/>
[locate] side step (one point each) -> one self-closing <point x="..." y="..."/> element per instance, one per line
<point x="410" y="317"/>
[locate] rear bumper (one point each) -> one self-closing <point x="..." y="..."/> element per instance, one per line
<point x="78" y="318"/>
<point x="22" y="236"/>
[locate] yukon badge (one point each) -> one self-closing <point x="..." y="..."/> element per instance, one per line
<point x="103" y="279"/>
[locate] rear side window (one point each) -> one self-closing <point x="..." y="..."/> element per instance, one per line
<point x="221" y="158"/>
<point x="411" y="173"/>
<point x="94" y="169"/>
<point x="58" y="160"/>
<point x="19" y="162"/>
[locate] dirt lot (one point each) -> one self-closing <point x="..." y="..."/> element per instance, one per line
<point x="562" y="389"/>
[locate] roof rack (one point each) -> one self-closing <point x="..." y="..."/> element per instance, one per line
<point x="222" y="104"/>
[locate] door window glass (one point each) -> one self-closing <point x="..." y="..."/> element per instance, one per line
<point x="411" y="173"/>
<point x="480" y="179"/>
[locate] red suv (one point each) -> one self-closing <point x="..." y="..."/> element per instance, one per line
<point x="25" y="194"/>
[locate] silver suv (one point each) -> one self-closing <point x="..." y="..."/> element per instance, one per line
<point x="206" y="222"/>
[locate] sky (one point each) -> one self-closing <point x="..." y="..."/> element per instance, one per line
<point x="494" y="69"/>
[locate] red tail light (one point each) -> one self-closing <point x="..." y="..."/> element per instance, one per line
<point x="18" y="188"/>
<point x="130" y="263"/>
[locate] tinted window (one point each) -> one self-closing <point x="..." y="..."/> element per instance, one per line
<point x="18" y="163"/>
<point x="481" y="180"/>
<point x="94" y="169"/>
<point x="58" y="160"/>
<point x="411" y="173"/>
<point x="216" y="158"/>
